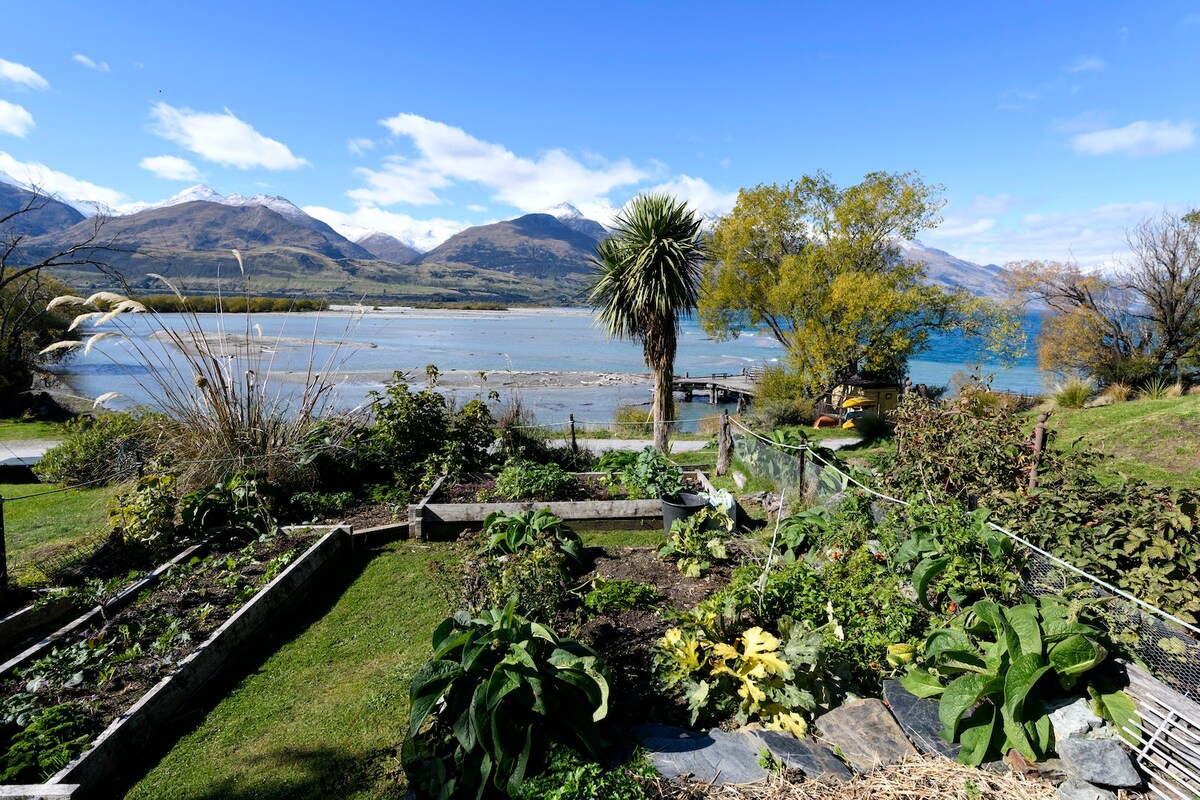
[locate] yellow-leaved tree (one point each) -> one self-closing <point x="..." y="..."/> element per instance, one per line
<point x="821" y="269"/>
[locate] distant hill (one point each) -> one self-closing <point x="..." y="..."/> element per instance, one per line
<point x="387" y="247"/>
<point x="46" y="216"/>
<point x="943" y="269"/>
<point x="535" y="244"/>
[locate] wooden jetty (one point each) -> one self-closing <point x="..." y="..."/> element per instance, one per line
<point x="719" y="386"/>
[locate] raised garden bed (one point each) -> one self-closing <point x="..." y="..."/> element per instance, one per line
<point x="179" y="634"/>
<point x="432" y="517"/>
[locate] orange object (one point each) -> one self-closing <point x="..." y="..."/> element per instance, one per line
<point x="825" y="421"/>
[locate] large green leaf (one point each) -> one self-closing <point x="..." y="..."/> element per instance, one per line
<point x="978" y="731"/>
<point x="960" y="696"/>
<point x="1023" y="622"/>
<point x="1119" y="709"/>
<point x="920" y="683"/>
<point x="1074" y="656"/>
<point x="428" y="686"/>
<point x="944" y="639"/>
<point x="924" y="574"/>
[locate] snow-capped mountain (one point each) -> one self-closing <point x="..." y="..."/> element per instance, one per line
<point x="982" y="280"/>
<point x="279" y="205"/>
<point x="574" y="219"/>
<point x="385" y="246"/>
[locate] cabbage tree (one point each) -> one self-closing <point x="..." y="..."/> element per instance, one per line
<point x="647" y="277"/>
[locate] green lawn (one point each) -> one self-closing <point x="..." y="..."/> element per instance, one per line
<point x="325" y="715"/>
<point x="15" y="429"/>
<point x="1151" y="440"/>
<point x="38" y="527"/>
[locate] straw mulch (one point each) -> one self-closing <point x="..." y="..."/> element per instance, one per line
<point x="918" y="779"/>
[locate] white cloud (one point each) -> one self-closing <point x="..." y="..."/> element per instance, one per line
<point x="1087" y="64"/>
<point x="1094" y="237"/>
<point x="360" y="146"/>
<point x="14" y="119"/>
<point x="172" y="168"/>
<point x="446" y="155"/>
<point x="424" y="234"/>
<point x="993" y="204"/>
<point x="699" y="194"/>
<point x="222" y="138"/>
<point x="477" y="208"/>
<point x="60" y="183"/>
<point x="1139" y="139"/>
<point x="21" y="75"/>
<point x="99" y="66"/>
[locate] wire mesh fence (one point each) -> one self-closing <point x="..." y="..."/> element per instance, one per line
<point x="1168" y="648"/>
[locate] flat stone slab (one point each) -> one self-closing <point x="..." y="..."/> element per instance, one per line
<point x="1099" y="761"/>
<point x="1073" y="719"/>
<point x="807" y="755"/>
<point x="918" y="717"/>
<point x="714" y="757"/>
<point x="866" y="734"/>
<point x="25" y="452"/>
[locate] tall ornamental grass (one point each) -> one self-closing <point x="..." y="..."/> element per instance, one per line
<point x="224" y="412"/>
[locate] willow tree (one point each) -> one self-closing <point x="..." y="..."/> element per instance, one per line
<point x="820" y="268"/>
<point x="647" y="277"/>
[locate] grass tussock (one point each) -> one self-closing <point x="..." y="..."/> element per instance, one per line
<point x="1073" y="393"/>
<point x="910" y="780"/>
<point x="631" y="420"/>
<point x="1118" y="392"/>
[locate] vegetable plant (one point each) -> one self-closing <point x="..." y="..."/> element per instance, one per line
<point x="697" y="541"/>
<point x="239" y="501"/>
<point x="609" y="596"/>
<point x="512" y="533"/>
<point x="996" y="669"/>
<point x="497" y="694"/>
<point x="652" y="475"/>
<point x="527" y="480"/>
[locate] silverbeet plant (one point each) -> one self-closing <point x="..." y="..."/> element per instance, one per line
<point x="998" y="667"/>
<point x="497" y="694"/>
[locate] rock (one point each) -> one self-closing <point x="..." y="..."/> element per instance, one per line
<point x="918" y="716"/>
<point x="810" y="757"/>
<point x="866" y="734"/>
<point x="1099" y="761"/>
<point x="1076" y="789"/>
<point x="1073" y="719"/>
<point x="714" y="757"/>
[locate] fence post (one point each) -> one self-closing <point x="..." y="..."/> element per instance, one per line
<point x="574" y="444"/>
<point x="803" y="469"/>
<point x="1039" y="444"/>
<point x="724" y="445"/>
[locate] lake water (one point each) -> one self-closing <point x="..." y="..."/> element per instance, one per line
<point x="378" y="342"/>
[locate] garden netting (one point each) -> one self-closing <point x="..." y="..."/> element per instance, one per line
<point x="1167" y="647"/>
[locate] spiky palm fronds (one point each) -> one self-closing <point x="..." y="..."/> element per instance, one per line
<point x="647" y="276"/>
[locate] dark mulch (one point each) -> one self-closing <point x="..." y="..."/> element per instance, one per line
<point x="483" y="490"/>
<point x="372" y="515"/>
<point x="626" y="641"/>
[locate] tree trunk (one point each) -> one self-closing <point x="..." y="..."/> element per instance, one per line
<point x="663" y="405"/>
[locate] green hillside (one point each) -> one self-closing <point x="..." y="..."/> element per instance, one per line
<point x="1151" y="440"/>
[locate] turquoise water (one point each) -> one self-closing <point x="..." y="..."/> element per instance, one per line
<point x="374" y="344"/>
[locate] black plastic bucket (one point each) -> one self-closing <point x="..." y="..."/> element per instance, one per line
<point x="680" y="506"/>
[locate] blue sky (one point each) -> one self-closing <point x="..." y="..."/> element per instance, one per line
<point x="1052" y="126"/>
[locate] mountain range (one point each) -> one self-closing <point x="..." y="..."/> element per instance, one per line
<point x="536" y="258"/>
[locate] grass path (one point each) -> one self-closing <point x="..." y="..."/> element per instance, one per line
<point x="39" y="526"/>
<point x="324" y="716"/>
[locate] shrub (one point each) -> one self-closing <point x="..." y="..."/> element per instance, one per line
<point x="320" y="505"/>
<point x="697" y="541"/>
<point x="146" y="515"/>
<point x="1156" y="388"/>
<point x="994" y="658"/>
<point x="872" y="425"/>
<point x="240" y="502"/>
<point x="617" y="596"/>
<point x="490" y="678"/>
<point x="779" y="400"/>
<point x="526" y="480"/>
<point x="512" y="533"/>
<point x="105" y="447"/>
<point x="1073" y="394"/>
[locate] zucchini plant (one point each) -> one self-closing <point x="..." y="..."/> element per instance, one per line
<point x="497" y="694"/>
